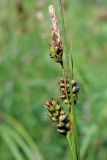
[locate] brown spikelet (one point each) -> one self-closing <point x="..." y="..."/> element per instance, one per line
<point x="58" y="116"/>
<point x="65" y="90"/>
<point x="65" y="94"/>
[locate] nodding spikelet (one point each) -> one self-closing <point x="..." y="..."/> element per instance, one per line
<point x="65" y="94"/>
<point x="58" y="116"/>
<point x="56" y="48"/>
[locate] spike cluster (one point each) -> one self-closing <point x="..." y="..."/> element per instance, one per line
<point x="57" y="115"/>
<point x="56" y="48"/>
<point x="65" y="90"/>
<point x="63" y="122"/>
<point x="65" y="94"/>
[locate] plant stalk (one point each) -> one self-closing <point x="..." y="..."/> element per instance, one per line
<point x="74" y="147"/>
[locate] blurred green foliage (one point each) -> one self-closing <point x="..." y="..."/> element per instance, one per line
<point x="28" y="77"/>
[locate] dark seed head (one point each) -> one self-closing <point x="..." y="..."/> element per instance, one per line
<point x="74" y="82"/>
<point x="75" y="89"/>
<point x="62" y="118"/>
<point x="63" y="132"/>
<point x="61" y="124"/>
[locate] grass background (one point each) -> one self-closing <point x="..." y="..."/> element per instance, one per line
<point x="28" y="77"/>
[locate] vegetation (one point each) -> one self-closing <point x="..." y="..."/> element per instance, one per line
<point x="28" y="78"/>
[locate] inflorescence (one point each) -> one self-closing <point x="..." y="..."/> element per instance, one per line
<point x="58" y="116"/>
<point x="56" y="49"/>
<point x="56" y="112"/>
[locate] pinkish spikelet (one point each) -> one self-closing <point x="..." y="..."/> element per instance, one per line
<point x="55" y="28"/>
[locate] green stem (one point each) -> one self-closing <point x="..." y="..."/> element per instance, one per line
<point x="75" y="143"/>
<point x="64" y="38"/>
<point x="75" y="146"/>
<point x="69" y="142"/>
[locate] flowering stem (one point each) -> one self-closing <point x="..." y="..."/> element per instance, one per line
<point x="64" y="38"/>
<point x="74" y="147"/>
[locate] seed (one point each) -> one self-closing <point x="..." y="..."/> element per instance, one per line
<point x="61" y="124"/>
<point x="74" y="82"/>
<point x="63" y="132"/>
<point x="62" y="112"/>
<point x="68" y="125"/>
<point x="54" y="119"/>
<point x="56" y="114"/>
<point x="62" y="118"/>
<point x="58" y="107"/>
<point x="66" y="101"/>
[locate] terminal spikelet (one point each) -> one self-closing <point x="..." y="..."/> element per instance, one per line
<point x="56" y="49"/>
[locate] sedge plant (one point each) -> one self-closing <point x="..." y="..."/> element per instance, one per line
<point x="65" y="122"/>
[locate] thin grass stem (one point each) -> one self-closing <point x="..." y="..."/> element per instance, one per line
<point x="64" y="38"/>
<point x="75" y="146"/>
<point x="69" y="142"/>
